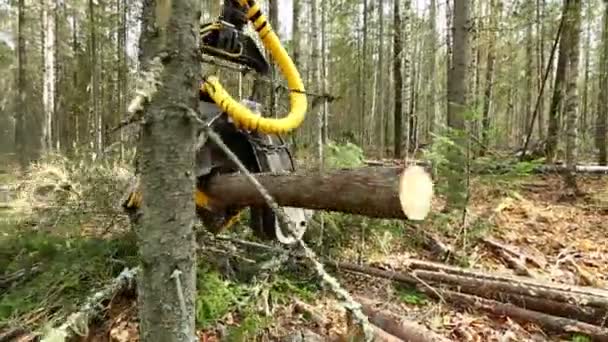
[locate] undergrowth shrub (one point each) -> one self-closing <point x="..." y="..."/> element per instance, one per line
<point x="68" y="269"/>
<point x="61" y="190"/>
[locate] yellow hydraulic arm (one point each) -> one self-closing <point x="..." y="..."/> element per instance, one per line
<point x="242" y="116"/>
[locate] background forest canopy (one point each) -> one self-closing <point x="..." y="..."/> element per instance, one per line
<point x="79" y="67"/>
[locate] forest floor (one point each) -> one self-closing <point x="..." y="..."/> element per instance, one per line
<point x="68" y="253"/>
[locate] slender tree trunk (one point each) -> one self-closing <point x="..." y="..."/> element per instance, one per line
<point x="167" y="281"/>
<point x="96" y="115"/>
<point x="48" y="79"/>
<point x="398" y="79"/>
<point x="457" y="92"/>
<point x="273" y="16"/>
<point x="21" y="142"/>
<point x="571" y="106"/>
<point x="540" y="29"/>
<point x="602" y="104"/>
<point x="587" y="52"/>
<point x="489" y="83"/>
<point x="530" y="75"/>
<point x="324" y="81"/>
<point x="295" y="52"/>
<point x="381" y="116"/>
<point x="558" y="90"/>
<point x="363" y="73"/>
<point x="432" y="60"/>
<point x="406" y="53"/>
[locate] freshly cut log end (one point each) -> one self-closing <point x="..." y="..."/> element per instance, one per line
<point x="415" y="192"/>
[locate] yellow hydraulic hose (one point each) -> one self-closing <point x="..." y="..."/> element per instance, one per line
<point x="242" y="116"/>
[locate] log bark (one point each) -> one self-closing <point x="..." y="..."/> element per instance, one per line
<point x="572" y="301"/>
<point x="486" y="287"/>
<point x="369" y="191"/>
<point x="415" y="264"/>
<point x="166" y="285"/>
<point x="401" y="328"/>
<point x="548" y="322"/>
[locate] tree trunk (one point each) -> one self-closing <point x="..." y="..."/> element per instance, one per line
<point x="324" y="73"/>
<point x="380" y="86"/>
<point x="22" y="101"/>
<point x="602" y="105"/>
<point x="167" y="282"/>
<point x="585" y="97"/>
<point x="432" y="60"/>
<point x="369" y="191"/>
<point x="48" y="79"/>
<point x="571" y="106"/>
<point x="295" y="32"/>
<point x="487" y="94"/>
<point x="530" y="75"/>
<point x="95" y="80"/>
<point x="558" y="89"/>
<point x="457" y="106"/>
<point x="398" y="79"/>
<point x="540" y="29"/>
<point x="363" y="72"/>
<point x="407" y="50"/>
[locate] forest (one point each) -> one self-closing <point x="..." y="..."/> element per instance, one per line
<point x="303" y="170"/>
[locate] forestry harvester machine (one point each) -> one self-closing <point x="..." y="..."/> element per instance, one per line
<point x="254" y="138"/>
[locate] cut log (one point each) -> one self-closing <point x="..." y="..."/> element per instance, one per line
<point x="369" y="191"/>
<point x="402" y="328"/>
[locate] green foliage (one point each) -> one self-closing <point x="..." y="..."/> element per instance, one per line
<point x="286" y="286"/>
<point x="580" y="338"/>
<point x="448" y="155"/>
<point x="411" y="296"/>
<point x="69" y="269"/>
<point x="216" y="297"/>
<point x="249" y="327"/>
<point x="345" y="155"/>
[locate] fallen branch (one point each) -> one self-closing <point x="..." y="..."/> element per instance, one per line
<point x="415" y="264"/>
<point x="78" y="322"/>
<point x="373" y="192"/>
<point x="515" y="263"/>
<point x="547" y="322"/>
<point x="581" y="313"/>
<point x="512" y="250"/>
<point x="8" y="280"/>
<point x="485" y="287"/>
<point x="590" y="169"/>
